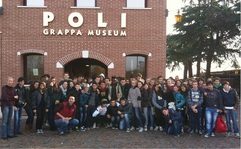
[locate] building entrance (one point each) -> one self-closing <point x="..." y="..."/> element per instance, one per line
<point x="85" y="67"/>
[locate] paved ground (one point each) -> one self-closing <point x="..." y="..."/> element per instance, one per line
<point x="108" y="138"/>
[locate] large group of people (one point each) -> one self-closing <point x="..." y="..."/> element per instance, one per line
<point x="171" y="105"/>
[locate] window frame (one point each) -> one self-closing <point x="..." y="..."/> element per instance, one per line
<point x="137" y="60"/>
<point x="25" y="67"/>
<point x="95" y="5"/>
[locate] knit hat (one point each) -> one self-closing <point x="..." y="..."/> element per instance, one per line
<point x="102" y="75"/>
<point x="104" y="101"/>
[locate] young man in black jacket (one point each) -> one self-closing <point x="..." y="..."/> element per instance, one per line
<point x="173" y="120"/>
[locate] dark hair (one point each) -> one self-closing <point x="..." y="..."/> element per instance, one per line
<point x="20" y="79"/>
<point x="164" y="108"/>
<point x="122" y="98"/>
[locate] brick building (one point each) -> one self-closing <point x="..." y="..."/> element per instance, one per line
<point x="84" y="38"/>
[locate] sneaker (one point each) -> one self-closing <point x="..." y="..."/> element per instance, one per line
<point x="145" y="128"/>
<point x="156" y="128"/>
<point x="228" y="134"/>
<point x="151" y="128"/>
<point x="113" y="127"/>
<point x="61" y="133"/>
<point x="41" y="130"/>
<point x="82" y="129"/>
<point x="94" y="125"/>
<point x="132" y="128"/>
<point x="47" y="124"/>
<point x="116" y="128"/>
<point x="182" y="130"/>
<point x="200" y="132"/>
<point x="191" y="132"/>
<point x="140" y="130"/>
<point x="236" y="135"/>
<point x="206" y="135"/>
<point x="137" y="128"/>
<point x="38" y="131"/>
<point x="160" y="128"/>
<point x="213" y="134"/>
<point x="176" y="136"/>
<point x="128" y="130"/>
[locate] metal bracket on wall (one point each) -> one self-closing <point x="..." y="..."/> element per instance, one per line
<point x="1" y="10"/>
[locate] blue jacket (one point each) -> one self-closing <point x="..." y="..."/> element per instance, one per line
<point x="180" y="99"/>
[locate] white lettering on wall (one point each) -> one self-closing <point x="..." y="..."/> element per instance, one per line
<point x="100" y="20"/>
<point x="47" y="17"/>
<point x="78" y="16"/>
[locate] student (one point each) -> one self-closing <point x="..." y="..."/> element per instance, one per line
<point x="112" y="114"/>
<point x="195" y="100"/>
<point x="100" y="113"/>
<point x="19" y="104"/>
<point x="173" y="120"/>
<point x="84" y="98"/>
<point x="213" y="104"/>
<point x="65" y="116"/>
<point x="9" y="96"/>
<point x="231" y="103"/>
<point x="40" y="105"/>
<point x="125" y="111"/>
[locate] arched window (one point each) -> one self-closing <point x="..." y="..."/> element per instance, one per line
<point x="135" y="64"/>
<point x="33" y="66"/>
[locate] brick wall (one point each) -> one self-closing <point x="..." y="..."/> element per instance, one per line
<point x="23" y="31"/>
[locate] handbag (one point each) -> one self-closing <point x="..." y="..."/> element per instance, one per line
<point x="220" y="125"/>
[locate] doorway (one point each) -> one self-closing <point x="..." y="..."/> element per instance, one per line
<point x="86" y="67"/>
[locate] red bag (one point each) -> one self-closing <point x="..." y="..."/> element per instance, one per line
<point x="220" y="125"/>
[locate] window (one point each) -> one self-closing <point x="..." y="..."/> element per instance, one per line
<point x="135" y="65"/>
<point x="85" y="3"/>
<point x="136" y="3"/>
<point x="33" y="2"/>
<point x="33" y="66"/>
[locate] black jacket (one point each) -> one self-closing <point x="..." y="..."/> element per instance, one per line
<point x="37" y="97"/>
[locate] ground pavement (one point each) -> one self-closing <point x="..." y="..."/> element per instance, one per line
<point x="108" y="138"/>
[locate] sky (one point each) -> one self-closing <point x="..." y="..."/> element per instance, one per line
<point x="173" y="6"/>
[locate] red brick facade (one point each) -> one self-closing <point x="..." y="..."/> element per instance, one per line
<point x="22" y="33"/>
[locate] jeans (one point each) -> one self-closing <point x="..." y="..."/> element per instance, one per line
<point x="137" y="117"/>
<point x="6" y="121"/>
<point x="195" y="119"/>
<point x="231" y="115"/>
<point x="115" y="120"/>
<point x="211" y="117"/>
<point x="82" y="115"/>
<point x="65" y="125"/>
<point x="149" y="116"/>
<point x="30" y="118"/>
<point x="125" y="122"/>
<point x="17" y="119"/>
<point x="175" y="128"/>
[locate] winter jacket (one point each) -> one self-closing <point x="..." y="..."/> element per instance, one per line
<point x="157" y="100"/>
<point x="179" y="99"/>
<point x="37" y="97"/>
<point x="213" y="99"/>
<point x="230" y="98"/>
<point x="7" y="97"/>
<point x="133" y="95"/>
<point x="112" y="110"/>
